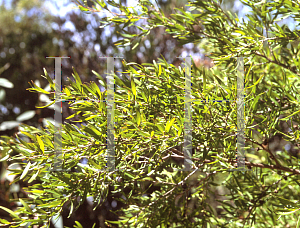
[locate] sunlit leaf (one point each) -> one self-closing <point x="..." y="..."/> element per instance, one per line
<point x="10" y="212"/>
<point x="169" y="124"/>
<point x="26" y="205"/>
<point x="25" y="171"/>
<point x="41" y="143"/>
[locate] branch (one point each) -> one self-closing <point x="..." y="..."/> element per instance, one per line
<point x="260" y="165"/>
<point x="265" y="147"/>
<point x="276" y="62"/>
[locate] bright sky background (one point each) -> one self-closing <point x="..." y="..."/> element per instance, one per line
<point x="65" y="6"/>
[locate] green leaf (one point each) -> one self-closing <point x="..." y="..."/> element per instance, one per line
<point x="298" y="222"/>
<point x="133" y="86"/>
<point x="33" y="176"/>
<point x="4" y="158"/>
<point x="71" y="209"/>
<point x="47" y="105"/>
<point x="127" y="35"/>
<point x="10" y="212"/>
<point x="48" y="78"/>
<point x="91" y="117"/>
<point x="41" y="143"/>
<point x="26" y="205"/>
<point x="78" y="225"/>
<point x="3" y="221"/>
<point x="83" y="8"/>
<point x="36" y="88"/>
<point x="146" y="134"/>
<point x="119" y="81"/>
<point x="101" y="80"/>
<point x="159" y="70"/>
<point x="52" y="204"/>
<point x="97" y="166"/>
<point x="93" y="132"/>
<point x="96" y="88"/>
<point x="129" y="175"/>
<point x="138" y="117"/>
<point x="288" y="117"/>
<point x="28" y="135"/>
<point x="256" y="82"/>
<point x="160" y="127"/>
<point x="25" y="170"/>
<point x="135" y="46"/>
<point x="77" y="78"/>
<point x="169" y="124"/>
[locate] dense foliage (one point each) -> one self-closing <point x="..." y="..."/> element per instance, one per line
<point x="149" y="116"/>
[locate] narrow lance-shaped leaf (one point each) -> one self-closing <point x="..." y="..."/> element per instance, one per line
<point x="25" y="170"/>
<point x="52" y="85"/>
<point x="77" y="78"/>
<point x="3" y="221"/>
<point x="26" y="206"/>
<point x="41" y="143"/>
<point x="10" y="212"/>
<point x="36" y="88"/>
<point x="33" y="176"/>
<point x="47" y="105"/>
<point x="138" y="117"/>
<point x="78" y="225"/>
<point x="133" y="86"/>
<point x="169" y="124"/>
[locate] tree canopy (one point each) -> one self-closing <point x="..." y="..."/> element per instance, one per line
<point x="148" y="183"/>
